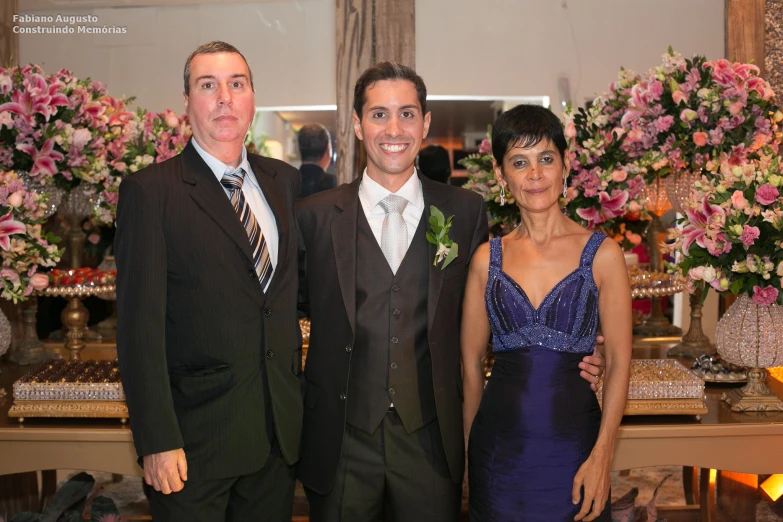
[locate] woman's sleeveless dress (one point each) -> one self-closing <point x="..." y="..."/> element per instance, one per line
<point x="538" y="420"/>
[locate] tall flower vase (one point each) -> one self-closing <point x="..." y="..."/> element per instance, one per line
<point x="30" y="349"/>
<point x="751" y="335"/>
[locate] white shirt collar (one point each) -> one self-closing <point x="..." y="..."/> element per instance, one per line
<point x="219" y="168"/>
<point x="371" y="192"/>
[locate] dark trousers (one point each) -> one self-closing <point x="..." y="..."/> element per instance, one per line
<point x="390" y="475"/>
<point x="264" y="496"/>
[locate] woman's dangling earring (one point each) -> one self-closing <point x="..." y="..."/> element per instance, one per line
<point x="502" y="193"/>
<point x="565" y="188"/>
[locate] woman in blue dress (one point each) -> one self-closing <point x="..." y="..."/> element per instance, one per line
<point x="540" y="447"/>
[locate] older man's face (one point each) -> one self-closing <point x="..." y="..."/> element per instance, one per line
<point x="221" y="103"/>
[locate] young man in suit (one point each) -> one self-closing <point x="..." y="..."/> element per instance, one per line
<point x="208" y="339"/>
<point x="382" y="434"/>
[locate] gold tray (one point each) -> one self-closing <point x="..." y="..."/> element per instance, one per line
<point x="662" y="387"/>
<point x="92" y="409"/>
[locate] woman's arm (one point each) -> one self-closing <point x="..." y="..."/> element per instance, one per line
<point x="614" y="305"/>
<point x="475" y="334"/>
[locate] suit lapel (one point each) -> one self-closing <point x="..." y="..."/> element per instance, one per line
<point x="344" y="245"/>
<point x="277" y="202"/>
<point x="210" y="197"/>
<point x="433" y="195"/>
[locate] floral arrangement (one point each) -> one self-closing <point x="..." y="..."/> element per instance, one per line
<point x="606" y="188"/>
<point x="145" y="138"/>
<point x="24" y="247"/>
<point x="686" y="112"/>
<point x="481" y="178"/>
<point x="732" y="233"/>
<point x="58" y="129"/>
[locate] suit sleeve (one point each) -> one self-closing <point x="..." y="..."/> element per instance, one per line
<point x="140" y="251"/>
<point x="481" y="231"/>
<point x="303" y="304"/>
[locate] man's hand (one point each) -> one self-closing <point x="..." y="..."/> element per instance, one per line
<point x="593" y="366"/>
<point x="166" y="471"/>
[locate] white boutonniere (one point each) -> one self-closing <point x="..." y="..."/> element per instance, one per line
<point x="438" y="235"/>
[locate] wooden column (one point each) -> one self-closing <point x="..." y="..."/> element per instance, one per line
<point x="9" y="41"/>
<point x="368" y="32"/>
<point x="745" y="32"/>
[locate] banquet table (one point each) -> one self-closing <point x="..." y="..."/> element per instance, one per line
<point x="721" y="439"/>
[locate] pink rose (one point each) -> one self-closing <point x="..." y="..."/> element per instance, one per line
<point x="766" y="194"/>
<point x="738" y="200"/>
<point x="570" y="130"/>
<point x="635" y="239"/>
<point x="764" y="296"/>
<point x="700" y="138"/>
<point x="634" y="206"/>
<point x="81" y="137"/>
<point x="485" y="147"/>
<point x="39" y="281"/>
<point x="619" y="175"/>
<point x="696" y="273"/>
<point x="636" y="135"/>
<point x="16" y="199"/>
<point x="749" y="235"/>
<point x="94" y="238"/>
<point x="172" y="120"/>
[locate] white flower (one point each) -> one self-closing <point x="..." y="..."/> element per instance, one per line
<point x="442" y="252"/>
<point x="709" y="274"/>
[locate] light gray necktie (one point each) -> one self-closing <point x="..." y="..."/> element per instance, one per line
<point x="394" y="234"/>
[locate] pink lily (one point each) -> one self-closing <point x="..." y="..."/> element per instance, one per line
<point x="698" y="222"/>
<point x="9" y="226"/>
<point x="44" y="160"/>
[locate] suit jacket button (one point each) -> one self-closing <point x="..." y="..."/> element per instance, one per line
<point x="396" y="288"/>
<point x="270" y="354"/>
<point x="348" y="348"/>
<point x="342" y="396"/>
<point x="251" y="273"/>
<point x="267" y="312"/>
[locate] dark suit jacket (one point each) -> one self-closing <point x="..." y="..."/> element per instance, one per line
<point x="195" y="329"/>
<point x="327" y="223"/>
<point x="315" y="179"/>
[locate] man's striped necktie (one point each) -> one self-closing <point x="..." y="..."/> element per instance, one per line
<point x="233" y="180"/>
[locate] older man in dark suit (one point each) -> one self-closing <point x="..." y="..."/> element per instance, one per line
<point x="207" y="338"/>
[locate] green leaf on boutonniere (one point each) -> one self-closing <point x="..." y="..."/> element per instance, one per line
<point x="438" y="235"/>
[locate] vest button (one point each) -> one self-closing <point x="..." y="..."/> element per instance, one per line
<point x="267" y="312"/>
<point x="391" y="391"/>
<point x="348" y="348"/>
<point x="270" y="354"/>
<point x="394" y="366"/>
<point x="342" y="396"/>
<point x="396" y="288"/>
<point x="395" y="340"/>
<point x="397" y="313"/>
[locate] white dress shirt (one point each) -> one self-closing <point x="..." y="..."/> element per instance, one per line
<point x="371" y="193"/>
<point x="253" y="195"/>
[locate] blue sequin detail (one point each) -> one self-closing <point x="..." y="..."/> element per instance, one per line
<point x="565" y="321"/>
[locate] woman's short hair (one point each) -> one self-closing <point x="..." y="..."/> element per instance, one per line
<point x="524" y="126"/>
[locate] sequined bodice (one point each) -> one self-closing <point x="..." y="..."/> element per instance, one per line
<point x="565" y="321"/>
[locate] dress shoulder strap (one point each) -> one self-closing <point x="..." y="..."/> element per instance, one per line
<point x="495" y="254"/>
<point x="592" y="246"/>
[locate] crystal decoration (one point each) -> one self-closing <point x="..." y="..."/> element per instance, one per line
<point x="751" y="335"/>
<point x="655" y="194"/>
<point x="5" y="333"/>
<point x="661" y="379"/>
<point x="79" y="203"/>
<point x="71" y="380"/>
<point x="53" y="194"/>
<point x="108" y="263"/>
<point x="679" y="187"/>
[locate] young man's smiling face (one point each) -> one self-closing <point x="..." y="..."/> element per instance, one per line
<point x="392" y="128"/>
